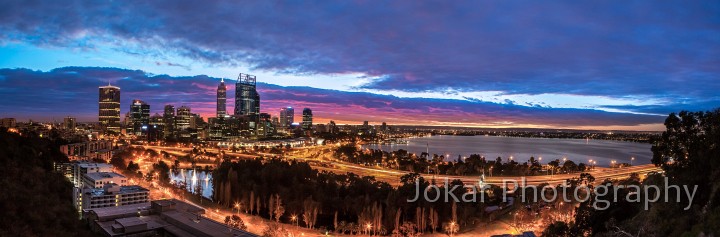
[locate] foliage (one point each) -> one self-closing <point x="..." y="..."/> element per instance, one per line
<point x="360" y="202"/>
<point x="35" y="201"/>
<point x="689" y="154"/>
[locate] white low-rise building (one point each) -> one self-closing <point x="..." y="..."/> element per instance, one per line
<point x="99" y="179"/>
<point x="112" y="195"/>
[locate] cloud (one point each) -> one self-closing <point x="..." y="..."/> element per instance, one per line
<point x="609" y="48"/>
<point x="72" y="91"/>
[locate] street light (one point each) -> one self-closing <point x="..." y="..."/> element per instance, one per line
<point x="631" y="160"/>
<point x="237" y="206"/>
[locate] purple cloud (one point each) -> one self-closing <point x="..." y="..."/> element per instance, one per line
<point x="72" y="91"/>
<point x="656" y="50"/>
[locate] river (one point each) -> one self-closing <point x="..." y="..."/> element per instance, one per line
<point x="521" y="148"/>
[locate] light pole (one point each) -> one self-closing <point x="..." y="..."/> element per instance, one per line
<point x="237" y="206"/>
<point x="631" y="160"/>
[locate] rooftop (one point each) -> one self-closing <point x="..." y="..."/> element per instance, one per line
<point x="93" y="165"/>
<point x="182" y="219"/>
<point x="110" y="190"/>
<point x="103" y="175"/>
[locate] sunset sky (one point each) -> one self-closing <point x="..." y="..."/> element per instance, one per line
<point x="546" y="64"/>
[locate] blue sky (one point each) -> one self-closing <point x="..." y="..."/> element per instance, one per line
<point x="567" y="64"/>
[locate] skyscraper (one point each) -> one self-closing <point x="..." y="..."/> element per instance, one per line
<point x="287" y="117"/>
<point x="265" y="127"/>
<point x="247" y="104"/>
<point x="221" y="99"/>
<point x="247" y="99"/>
<point x="139" y="117"/>
<point x="182" y="118"/>
<point x="307" y="119"/>
<point x="169" y="121"/>
<point x="109" y="108"/>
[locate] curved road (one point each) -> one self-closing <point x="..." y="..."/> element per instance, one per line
<point x="393" y="176"/>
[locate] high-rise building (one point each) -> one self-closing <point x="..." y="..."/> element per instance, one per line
<point x="156" y="128"/>
<point x="266" y="127"/>
<point x="169" y="121"/>
<point x="247" y="104"/>
<point x="307" y="119"/>
<point x="69" y="123"/>
<point x="139" y="117"/>
<point x="275" y="122"/>
<point x="221" y="99"/>
<point x="247" y="99"/>
<point x="182" y="118"/>
<point x="287" y="117"/>
<point x="109" y="108"/>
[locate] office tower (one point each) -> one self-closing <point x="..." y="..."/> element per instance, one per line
<point x="221" y="99"/>
<point x="169" y="121"/>
<point x="266" y="127"/>
<point x="196" y="121"/>
<point x="155" y="128"/>
<point x="287" y="117"/>
<point x="139" y="117"/>
<point x="109" y="108"/>
<point x="247" y="99"/>
<point x="275" y="122"/>
<point x="69" y="123"/>
<point x="182" y="118"/>
<point x="307" y="119"/>
<point x="247" y="104"/>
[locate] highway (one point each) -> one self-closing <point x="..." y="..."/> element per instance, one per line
<point x="392" y="176"/>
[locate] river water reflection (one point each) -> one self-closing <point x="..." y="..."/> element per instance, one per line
<point x="521" y="148"/>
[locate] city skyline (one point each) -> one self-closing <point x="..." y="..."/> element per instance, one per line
<point x="605" y="66"/>
<point x="360" y="118"/>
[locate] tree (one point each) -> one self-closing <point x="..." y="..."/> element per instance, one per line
<point x="557" y="229"/>
<point x="310" y="212"/>
<point x="275" y="230"/>
<point x="278" y="208"/>
<point x="118" y="162"/>
<point x="433" y="219"/>
<point x="236" y="222"/>
<point x="36" y="200"/>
